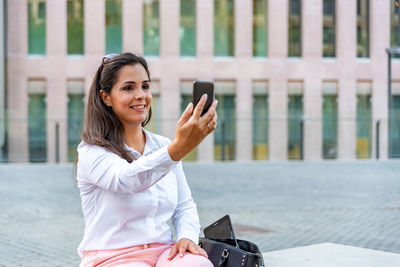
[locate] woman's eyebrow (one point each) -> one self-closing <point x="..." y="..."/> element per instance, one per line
<point x="146" y="81"/>
<point x="129" y="82"/>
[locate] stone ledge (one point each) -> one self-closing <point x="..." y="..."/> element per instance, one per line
<point x="329" y="255"/>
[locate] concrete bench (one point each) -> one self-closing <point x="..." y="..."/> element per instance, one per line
<point x="329" y="255"/>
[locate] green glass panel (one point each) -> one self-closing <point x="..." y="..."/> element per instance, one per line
<point x="394" y="26"/>
<point x="259" y="28"/>
<point x="394" y="132"/>
<point x="329" y="127"/>
<point x="113" y="26"/>
<point x="225" y="134"/>
<point x="37" y="128"/>
<point x="185" y="100"/>
<point x="364" y="126"/>
<point x="362" y="28"/>
<point x="223" y="28"/>
<point x="151" y="28"/>
<point x="36" y="27"/>
<point x="294" y="28"/>
<point x="260" y="127"/>
<point x="75" y="11"/>
<point x="329" y="32"/>
<point x="295" y="115"/>
<point x="76" y="107"/>
<point x="188" y="28"/>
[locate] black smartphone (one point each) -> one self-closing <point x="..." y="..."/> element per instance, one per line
<point x="221" y="229"/>
<point x="200" y="88"/>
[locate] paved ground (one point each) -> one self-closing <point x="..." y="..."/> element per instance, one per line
<point x="276" y="205"/>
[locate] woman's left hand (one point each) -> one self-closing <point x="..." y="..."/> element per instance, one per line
<point x="184" y="245"/>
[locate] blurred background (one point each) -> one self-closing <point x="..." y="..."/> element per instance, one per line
<point x="295" y="79"/>
<point x="309" y="115"/>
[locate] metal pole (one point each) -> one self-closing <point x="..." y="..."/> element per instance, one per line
<point x="377" y="139"/>
<point x="302" y="139"/>
<point x="57" y="143"/>
<point x="223" y="140"/>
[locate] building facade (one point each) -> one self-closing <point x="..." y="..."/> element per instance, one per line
<point x="295" y="79"/>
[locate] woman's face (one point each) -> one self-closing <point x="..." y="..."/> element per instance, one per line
<point x="130" y="96"/>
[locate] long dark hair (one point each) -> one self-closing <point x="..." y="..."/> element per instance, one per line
<point x="101" y="126"/>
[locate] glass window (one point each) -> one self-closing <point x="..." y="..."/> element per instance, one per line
<point x="151" y="30"/>
<point x="394" y="25"/>
<point x="223" y="28"/>
<point x="188" y="28"/>
<point x="75" y="27"/>
<point x="394" y="143"/>
<point x="394" y="128"/>
<point x="295" y="127"/>
<point x="3" y="142"/>
<point x="37" y="127"/>
<point x="37" y="27"/>
<point x="260" y="28"/>
<point x="113" y="26"/>
<point x="329" y="30"/>
<point x="260" y="121"/>
<point x="362" y="28"/>
<point x="225" y="134"/>
<point x="76" y="106"/>
<point x="294" y="28"/>
<point x="364" y="126"/>
<point x="295" y="120"/>
<point x="329" y="126"/>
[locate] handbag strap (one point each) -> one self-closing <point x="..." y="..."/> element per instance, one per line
<point x="224" y="257"/>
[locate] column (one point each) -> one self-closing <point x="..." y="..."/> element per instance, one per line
<point x="277" y="51"/>
<point x="243" y="18"/>
<point x="346" y="52"/>
<point x="204" y="52"/>
<point x="95" y="38"/>
<point x="312" y="53"/>
<point x="380" y="31"/>
<point x="244" y="131"/>
<point x="132" y="26"/>
<point x="18" y="145"/>
<point x="169" y="53"/>
<point x="56" y="91"/>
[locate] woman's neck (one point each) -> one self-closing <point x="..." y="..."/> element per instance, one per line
<point x="135" y="137"/>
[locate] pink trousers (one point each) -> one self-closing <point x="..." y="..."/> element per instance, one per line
<point x="142" y="256"/>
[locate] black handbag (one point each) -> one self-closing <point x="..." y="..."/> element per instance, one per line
<point x="223" y="253"/>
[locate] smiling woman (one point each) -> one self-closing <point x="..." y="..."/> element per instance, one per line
<point x="131" y="180"/>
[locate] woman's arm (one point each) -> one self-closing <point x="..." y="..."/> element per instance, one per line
<point x="108" y="171"/>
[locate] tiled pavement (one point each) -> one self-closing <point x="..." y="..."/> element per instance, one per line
<point x="275" y="205"/>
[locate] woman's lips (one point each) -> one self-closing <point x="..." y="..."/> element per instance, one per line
<point x="138" y="108"/>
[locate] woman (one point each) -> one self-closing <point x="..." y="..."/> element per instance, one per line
<point x="131" y="181"/>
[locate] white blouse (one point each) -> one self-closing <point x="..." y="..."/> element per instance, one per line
<point x="126" y="204"/>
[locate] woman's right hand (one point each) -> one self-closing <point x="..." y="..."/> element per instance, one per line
<point x="193" y="128"/>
